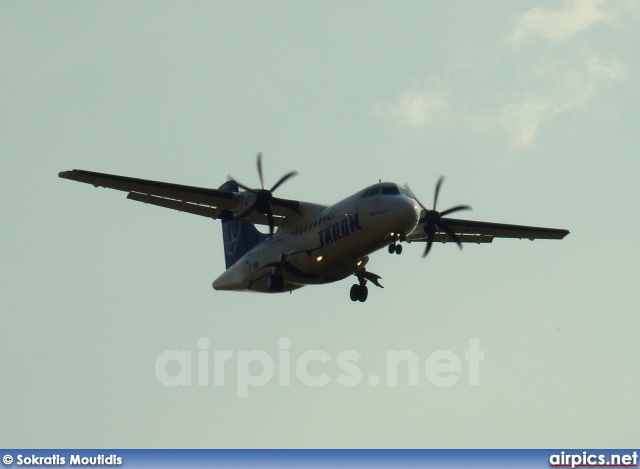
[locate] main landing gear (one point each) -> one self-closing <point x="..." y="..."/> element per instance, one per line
<point x="275" y="280"/>
<point x="275" y="283"/>
<point x="359" y="291"/>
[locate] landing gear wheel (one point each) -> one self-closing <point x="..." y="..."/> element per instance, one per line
<point x="275" y="283"/>
<point x="392" y="248"/>
<point x="359" y="293"/>
<point x="363" y="293"/>
<point x="353" y="294"/>
<point x="399" y="249"/>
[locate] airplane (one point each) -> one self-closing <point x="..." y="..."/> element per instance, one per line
<point x="309" y="243"/>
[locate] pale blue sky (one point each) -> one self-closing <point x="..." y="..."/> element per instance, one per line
<point x="530" y="109"/>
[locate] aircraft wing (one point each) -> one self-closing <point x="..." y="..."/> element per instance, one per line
<point x="470" y="231"/>
<point x="211" y="203"/>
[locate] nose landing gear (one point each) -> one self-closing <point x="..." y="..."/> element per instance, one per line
<point x="397" y="248"/>
<point x="395" y="239"/>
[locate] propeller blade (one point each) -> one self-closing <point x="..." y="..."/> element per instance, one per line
<point x="259" y="161"/>
<point x="270" y="219"/>
<point x="249" y="209"/>
<point x="437" y="192"/>
<point x="283" y="179"/>
<point x="432" y="219"/>
<point x="415" y="198"/>
<point x="457" y="208"/>
<point x="264" y="197"/>
<point x="431" y="231"/>
<point x="429" y="244"/>
<point x="451" y="233"/>
<point x="242" y="186"/>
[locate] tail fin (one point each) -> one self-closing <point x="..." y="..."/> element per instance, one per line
<point x="238" y="237"/>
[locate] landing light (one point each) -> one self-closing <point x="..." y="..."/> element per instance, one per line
<point x="319" y="258"/>
<point x="359" y="263"/>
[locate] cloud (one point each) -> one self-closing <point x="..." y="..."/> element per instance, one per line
<point x="571" y="90"/>
<point x="414" y="109"/>
<point x="522" y="120"/>
<point x="611" y="69"/>
<point x="504" y="89"/>
<point x="559" y="25"/>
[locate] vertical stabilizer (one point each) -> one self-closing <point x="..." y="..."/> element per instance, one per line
<point x="238" y="237"/>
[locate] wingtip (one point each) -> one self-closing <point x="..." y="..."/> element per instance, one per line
<point x="70" y="174"/>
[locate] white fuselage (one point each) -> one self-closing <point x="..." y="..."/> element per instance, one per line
<point x="330" y="245"/>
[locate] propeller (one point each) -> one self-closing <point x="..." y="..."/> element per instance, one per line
<point x="264" y="197"/>
<point x="433" y="218"/>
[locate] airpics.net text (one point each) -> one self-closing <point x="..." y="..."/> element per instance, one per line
<point x="257" y="368"/>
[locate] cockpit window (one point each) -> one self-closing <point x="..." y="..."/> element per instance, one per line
<point x="405" y="192"/>
<point x="387" y="189"/>
<point x="371" y="192"/>
<point x="390" y="190"/>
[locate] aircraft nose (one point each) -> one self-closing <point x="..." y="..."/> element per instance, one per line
<point x="410" y="214"/>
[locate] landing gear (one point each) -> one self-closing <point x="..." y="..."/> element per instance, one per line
<point x="359" y="293"/>
<point x="397" y="248"/>
<point x="275" y="283"/>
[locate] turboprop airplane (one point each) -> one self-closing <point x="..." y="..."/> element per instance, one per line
<point x="308" y="243"/>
